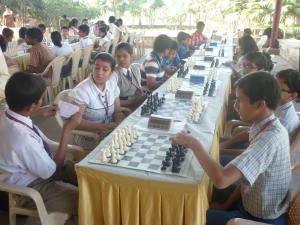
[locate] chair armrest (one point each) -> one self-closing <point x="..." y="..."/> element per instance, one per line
<point x="238" y="221"/>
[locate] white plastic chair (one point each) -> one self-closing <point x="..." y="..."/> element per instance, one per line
<point x="53" y="218"/>
<point x="54" y="83"/>
<point x="86" y="55"/>
<point x="64" y="95"/>
<point x="73" y="76"/>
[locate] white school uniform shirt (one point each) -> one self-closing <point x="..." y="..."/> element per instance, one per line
<point x="85" y="41"/>
<point x="87" y="92"/>
<point x="105" y="39"/>
<point x="65" y="50"/>
<point x="23" y="158"/>
<point x="288" y="117"/>
<point x="3" y="67"/>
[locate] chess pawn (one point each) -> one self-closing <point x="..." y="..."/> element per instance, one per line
<point x="114" y="158"/>
<point x="118" y="155"/>
<point x="121" y="150"/>
<point x="107" y="152"/>
<point x="103" y="156"/>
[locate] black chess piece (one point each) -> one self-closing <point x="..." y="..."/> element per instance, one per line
<point x="212" y="64"/>
<point x="222" y="53"/>
<point x="217" y="63"/>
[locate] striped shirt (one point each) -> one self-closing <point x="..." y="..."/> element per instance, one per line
<point x="288" y="117"/>
<point x="198" y="38"/>
<point x="266" y="170"/>
<point x="153" y="66"/>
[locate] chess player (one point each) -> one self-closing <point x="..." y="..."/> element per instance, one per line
<point x="183" y="45"/>
<point x="85" y="40"/>
<point x="264" y="168"/>
<point x="40" y="54"/>
<point x="25" y="158"/>
<point x="42" y="27"/>
<point x="198" y="38"/>
<point x="129" y="77"/>
<point x="100" y="95"/>
<point x="152" y="64"/>
<point x="171" y="62"/>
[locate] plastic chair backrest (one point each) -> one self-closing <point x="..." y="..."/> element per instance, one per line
<point x="75" y="62"/>
<point x="56" y="70"/>
<point x="86" y="53"/>
<point x="63" y="95"/>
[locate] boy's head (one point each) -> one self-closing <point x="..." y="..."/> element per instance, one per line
<point x="22" y="32"/>
<point x="200" y="26"/>
<point x="42" y="27"/>
<point x="83" y="30"/>
<point x="183" y="38"/>
<point x="173" y="49"/>
<point x="102" y="30"/>
<point x="112" y="19"/>
<point x="289" y="83"/>
<point x="3" y="44"/>
<point x="33" y="35"/>
<point x="8" y="34"/>
<point x="162" y="45"/>
<point x="247" y="31"/>
<point x="65" y="31"/>
<point x="256" y="94"/>
<point x="24" y="92"/>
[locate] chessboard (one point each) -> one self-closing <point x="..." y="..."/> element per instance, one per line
<point x="175" y="108"/>
<point x="154" y="153"/>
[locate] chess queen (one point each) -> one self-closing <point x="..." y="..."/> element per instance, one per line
<point x="100" y="95"/>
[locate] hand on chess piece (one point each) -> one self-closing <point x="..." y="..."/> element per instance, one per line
<point x="184" y="139"/>
<point x="138" y="100"/>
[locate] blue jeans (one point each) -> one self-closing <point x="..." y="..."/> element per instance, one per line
<point x="218" y="217"/>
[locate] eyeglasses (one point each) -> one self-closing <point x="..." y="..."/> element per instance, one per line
<point x="249" y="67"/>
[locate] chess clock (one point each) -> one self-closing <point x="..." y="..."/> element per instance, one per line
<point x="158" y="122"/>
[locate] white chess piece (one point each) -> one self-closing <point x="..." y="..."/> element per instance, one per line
<point x="103" y="156"/>
<point x="114" y="158"/>
<point x="118" y="154"/>
<point x="107" y="152"/>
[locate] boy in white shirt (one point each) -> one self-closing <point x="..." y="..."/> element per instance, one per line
<point x="25" y="158"/>
<point x="85" y="40"/>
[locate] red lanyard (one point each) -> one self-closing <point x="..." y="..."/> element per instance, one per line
<point x="16" y="120"/>
<point x="105" y="104"/>
<point x="267" y="124"/>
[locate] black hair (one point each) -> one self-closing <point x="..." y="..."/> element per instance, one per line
<point x="35" y="33"/>
<point x="73" y="22"/>
<point x="3" y="43"/>
<point x="42" y="26"/>
<point x="23" y="89"/>
<point x="247" y="31"/>
<point x="162" y="43"/>
<point x="291" y="78"/>
<point x="84" y="28"/>
<point x="181" y="36"/>
<point x="261" y="60"/>
<point x="103" y="29"/>
<point x="267" y="85"/>
<point x="200" y="24"/>
<point x="268" y="33"/>
<point x="174" y="45"/>
<point x="22" y="32"/>
<point x="6" y="32"/>
<point x="120" y="21"/>
<point x="247" y="44"/>
<point x="112" y="19"/>
<point x="126" y="46"/>
<point x="106" y="57"/>
<point x="64" y="27"/>
<point x="64" y="16"/>
<point x="56" y="38"/>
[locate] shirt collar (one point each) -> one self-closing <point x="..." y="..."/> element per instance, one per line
<point x="124" y="70"/>
<point x="284" y="106"/>
<point x="256" y="128"/>
<point x="21" y="118"/>
<point x="95" y="89"/>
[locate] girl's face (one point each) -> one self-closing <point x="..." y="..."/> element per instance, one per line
<point x="123" y="58"/>
<point x="248" y="67"/>
<point x="101" y="34"/>
<point x="101" y="71"/>
<point x="186" y="41"/>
